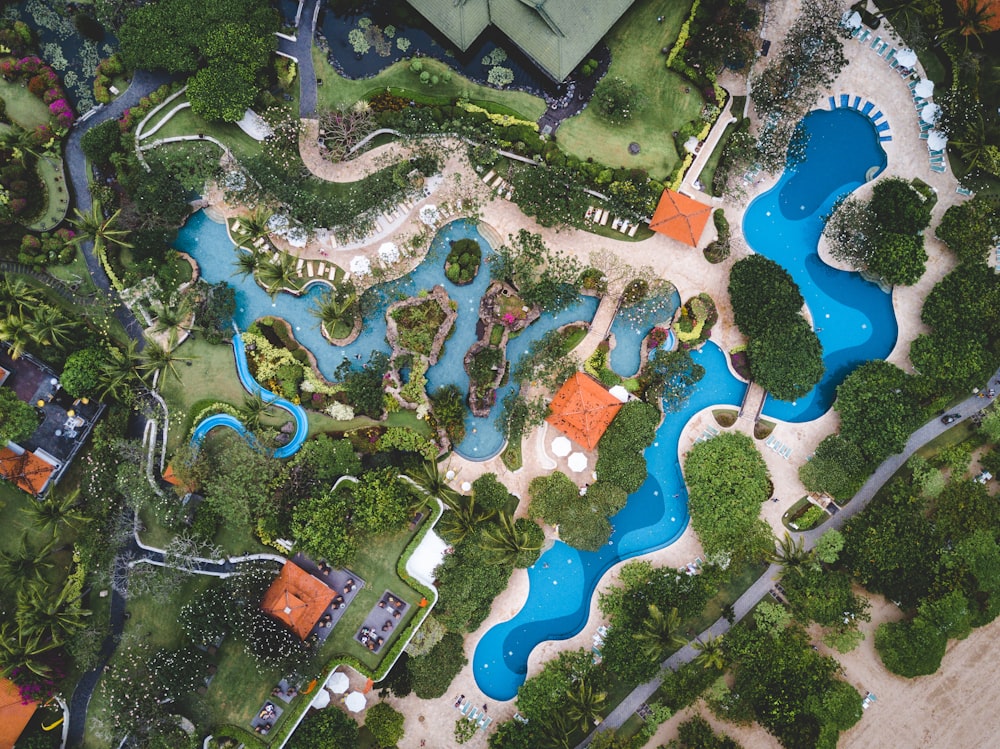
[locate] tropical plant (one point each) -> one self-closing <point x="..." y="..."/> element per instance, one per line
<point x="21" y="650"/>
<point x="157" y="358"/>
<point x="56" y="617"/>
<point x="16" y="330"/>
<point x="790" y="553"/>
<point x="48" y="326"/>
<point x="119" y="370"/>
<point x="92" y="226"/>
<point x="711" y="653"/>
<point x="253" y="410"/>
<point x="247" y="263"/>
<point x="584" y="704"/>
<point x="658" y="633"/>
<point x="507" y="541"/>
<point x="277" y="274"/>
<point x="26" y="564"/>
<point x="462" y="519"/>
<point x="434" y="483"/>
<point x="174" y="318"/>
<point x="335" y="306"/>
<point x="53" y="513"/>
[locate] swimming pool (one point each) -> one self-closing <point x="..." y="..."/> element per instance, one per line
<point x="855" y="322"/>
<point x="853" y="317"/>
<point x="209" y="244"/>
<point x="563" y="580"/>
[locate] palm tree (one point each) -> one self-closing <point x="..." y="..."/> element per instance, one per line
<point x="463" y="519"/>
<point x="791" y="554"/>
<point x="156" y="359"/>
<point x="93" y="227"/>
<point x="435" y="484"/>
<point x="278" y="274"/>
<point x="119" y="372"/>
<point x="16" y="138"/>
<point x="334" y="305"/>
<point x="50" y="327"/>
<point x="174" y="318"/>
<point x="253" y="410"/>
<point x="584" y="704"/>
<point x="557" y="731"/>
<point x="710" y="653"/>
<point x="52" y="514"/>
<point x="972" y="142"/>
<point x="16" y="295"/>
<point x="21" y="650"/>
<point x="658" y="634"/>
<point x="16" y="330"/>
<point x="974" y="17"/>
<point x="255" y="225"/>
<point x="247" y="263"/>
<point x="26" y="565"/>
<point x="56" y="618"/>
<point x="505" y="543"/>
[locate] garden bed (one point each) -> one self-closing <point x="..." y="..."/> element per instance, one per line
<point x="804" y="516"/>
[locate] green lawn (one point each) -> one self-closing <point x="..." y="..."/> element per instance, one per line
<point x="50" y="171"/>
<point x="239" y="688"/>
<point x="338" y="92"/>
<point x="186" y="122"/>
<point x="22" y="106"/>
<point x="376" y="564"/>
<point x="75" y="272"/>
<point x="635" y="43"/>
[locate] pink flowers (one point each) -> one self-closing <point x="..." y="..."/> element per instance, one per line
<point x="508" y="319"/>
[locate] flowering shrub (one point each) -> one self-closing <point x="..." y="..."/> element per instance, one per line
<point x="504" y="120"/>
<point x="43" y="83"/>
<point x="657" y="336"/>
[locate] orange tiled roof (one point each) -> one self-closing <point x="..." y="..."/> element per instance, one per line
<point x="680" y="217"/>
<point x="170" y="477"/>
<point x="298" y="599"/>
<point x="583" y="409"/>
<point x="14" y="714"/>
<point x="28" y="471"/>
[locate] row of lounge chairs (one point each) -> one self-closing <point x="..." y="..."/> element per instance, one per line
<point x="868" y="109"/>
<point x="499" y="185"/>
<point x="477" y="716"/>
<point x="601" y="216"/>
<point x="783" y="450"/>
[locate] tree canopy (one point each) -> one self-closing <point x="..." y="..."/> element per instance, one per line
<point x="969" y="228"/>
<point x="727" y="482"/>
<point x="876" y="410"/>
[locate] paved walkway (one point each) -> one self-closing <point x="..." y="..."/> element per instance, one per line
<point x="301" y="50"/>
<point x="756" y="592"/>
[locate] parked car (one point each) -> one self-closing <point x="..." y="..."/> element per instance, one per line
<point x="950" y="418"/>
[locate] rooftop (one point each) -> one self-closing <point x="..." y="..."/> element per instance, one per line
<point x="297" y="599"/>
<point x="680" y="217"/>
<point x="582" y="410"/>
<point x="555" y="34"/>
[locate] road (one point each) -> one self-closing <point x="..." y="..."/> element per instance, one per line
<point x="763" y="585"/>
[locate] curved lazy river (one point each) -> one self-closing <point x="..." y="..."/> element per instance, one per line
<point x="855" y="322"/>
<point x="253" y="387"/>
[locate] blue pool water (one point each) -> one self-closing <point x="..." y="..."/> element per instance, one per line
<point x="563" y="579"/>
<point x="856" y="323"/>
<point x="208" y="243"/>
<point x="251" y="385"/>
<point x="631" y="326"/>
<point x="853" y="317"/>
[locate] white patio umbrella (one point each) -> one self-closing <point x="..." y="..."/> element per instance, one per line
<point x="690" y="144"/>
<point x="577" y="462"/>
<point x="321" y="700"/>
<point x="907" y="58"/>
<point x="853" y="21"/>
<point x="561" y="447"/>
<point x="619" y="392"/>
<point x="429" y="214"/>
<point x="338" y="682"/>
<point x="936" y="140"/>
<point x="924" y="89"/>
<point x="388" y="253"/>
<point x="355" y="702"/>
<point x="466" y="486"/>
<point x="360" y="265"/>
<point x="930" y="113"/>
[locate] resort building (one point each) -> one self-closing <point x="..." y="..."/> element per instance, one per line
<point x="39" y="461"/>
<point x="15" y="713"/>
<point x="297" y="599"/>
<point x="555" y="34"/>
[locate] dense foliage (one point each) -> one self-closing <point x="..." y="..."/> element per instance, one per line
<point x="670" y="376"/>
<point x="727" y="482"/>
<point x="542" y="276"/>
<point x="432" y="674"/>
<point x="462" y="262"/>
<point x="331" y="729"/>
<point x="385" y="724"/>
<point x="877" y="412"/>
<point x="837" y="468"/>
<point x="556" y="500"/>
<point x="620" y="459"/>
<point x="784" y="353"/>
<point x="969" y="229"/>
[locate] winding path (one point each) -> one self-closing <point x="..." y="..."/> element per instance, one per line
<point x="762" y="586"/>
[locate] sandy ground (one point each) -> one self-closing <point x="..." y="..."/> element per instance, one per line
<point x="948" y="709"/>
<point x="952" y="708"/>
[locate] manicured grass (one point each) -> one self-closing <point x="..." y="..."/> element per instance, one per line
<point x="635" y="43"/>
<point x="708" y="172"/>
<point x="75" y="273"/>
<point x="22" y="106"/>
<point x="376" y="564"/>
<point x="239" y="688"/>
<point x="338" y="92"/>
<point x="186" y="122"/>
<point x="50" y="172"/>
<point x="16" y="523"/>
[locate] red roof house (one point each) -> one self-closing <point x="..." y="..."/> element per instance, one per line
<point x="582" y="409"/>
<point x="680" y="217"/>
<point x="297" y="599"/>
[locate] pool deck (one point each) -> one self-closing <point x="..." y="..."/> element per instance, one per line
<point x="867" y="76"/>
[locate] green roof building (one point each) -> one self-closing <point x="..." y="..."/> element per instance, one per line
<point x="555" y="34"/>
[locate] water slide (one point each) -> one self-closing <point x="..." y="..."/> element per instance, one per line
<point x="253" y="387"/>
